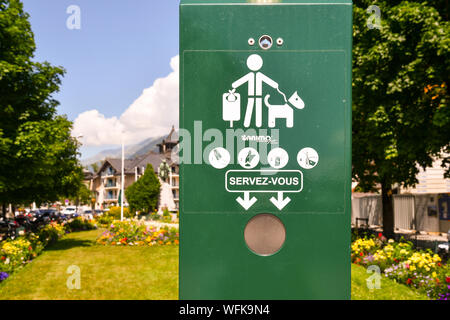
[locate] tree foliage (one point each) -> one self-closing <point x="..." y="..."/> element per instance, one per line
<point x="401" y="117"/>
<point x="143" y="195"/>
<point x="83" y="196"/>
<point x="37" y="154"/>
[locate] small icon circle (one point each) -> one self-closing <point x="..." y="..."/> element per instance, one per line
<point x="308" y="158"/>
<point x="278" y="158"/>
<point x="248" y="158"/>
<point x="219" y="158"/>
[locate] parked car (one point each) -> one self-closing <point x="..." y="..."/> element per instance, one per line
<point x="8" y="229"/>
<point x="98" y="213"/>
<point x="24" y="224"/>
<point x="70" y="211"/>
<point x="88" y="214"/>
<point x="444" y="248"/>
<point x="38" y="219"/>
<point x="54" y="215"/>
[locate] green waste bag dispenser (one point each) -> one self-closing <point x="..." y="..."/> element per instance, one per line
<point x="265" y="151"/>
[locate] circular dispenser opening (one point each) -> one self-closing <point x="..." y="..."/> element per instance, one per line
<point x="265" y="234"/>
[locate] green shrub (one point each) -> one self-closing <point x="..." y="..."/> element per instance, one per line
<point x="80" y="224"/>
<point x="51" y="233"/>
<point x="155" y="216"/>
<point x="105" y="220"/>
<point x="115" y="212"/>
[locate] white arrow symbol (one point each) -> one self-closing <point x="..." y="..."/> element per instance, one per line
<point x="246" y="203"/>
<point x="280" y="203"/>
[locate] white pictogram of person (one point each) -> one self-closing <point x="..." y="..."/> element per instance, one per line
<point x="255" y="80"/>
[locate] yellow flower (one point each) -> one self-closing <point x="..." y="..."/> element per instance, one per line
<point x="434" y="275"/>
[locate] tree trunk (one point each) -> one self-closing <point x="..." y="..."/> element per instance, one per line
<point x="388" y="210"/>
<point x="4" y="210"/>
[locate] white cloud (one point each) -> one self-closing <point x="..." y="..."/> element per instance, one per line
<point x="150" y="115"/>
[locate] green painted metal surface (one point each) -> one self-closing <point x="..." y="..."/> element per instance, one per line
<point x="314" y="61"/>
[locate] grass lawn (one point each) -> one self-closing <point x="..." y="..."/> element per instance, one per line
<point x="389" y="290"/>
<point x="149" y="273"/>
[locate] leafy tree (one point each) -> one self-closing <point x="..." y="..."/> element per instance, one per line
<point x="83" y="195"/>
<point x="95" y="166"/>
<point x="37" y="154"/>
<point x="401" y="117"/>
<point x="143" y="195"/>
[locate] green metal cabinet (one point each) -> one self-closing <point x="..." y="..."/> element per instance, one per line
<point x="295" y="96"/>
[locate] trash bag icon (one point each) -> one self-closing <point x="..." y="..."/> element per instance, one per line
<point x="231" y="107"/>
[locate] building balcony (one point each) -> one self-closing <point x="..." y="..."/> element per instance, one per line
<point x="111" y="199"/>
<point x="108" y="175"/>
<point x="112" y="186"/>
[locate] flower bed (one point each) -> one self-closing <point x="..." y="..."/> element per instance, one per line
<point x="132" y="233"/>
<point x="421" y="270"/>
<point x="16" y="253"/>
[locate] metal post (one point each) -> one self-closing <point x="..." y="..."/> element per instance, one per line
<point x="122" y="180"/>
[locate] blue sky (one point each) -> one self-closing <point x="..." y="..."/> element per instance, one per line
<point x="120" y="50"/>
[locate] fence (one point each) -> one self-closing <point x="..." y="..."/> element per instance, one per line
<point x="411" y="212"/>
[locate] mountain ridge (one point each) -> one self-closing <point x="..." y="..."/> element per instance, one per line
<point x="131" y="151"/>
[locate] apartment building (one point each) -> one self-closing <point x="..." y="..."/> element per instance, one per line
<point x="106" y="183"/>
